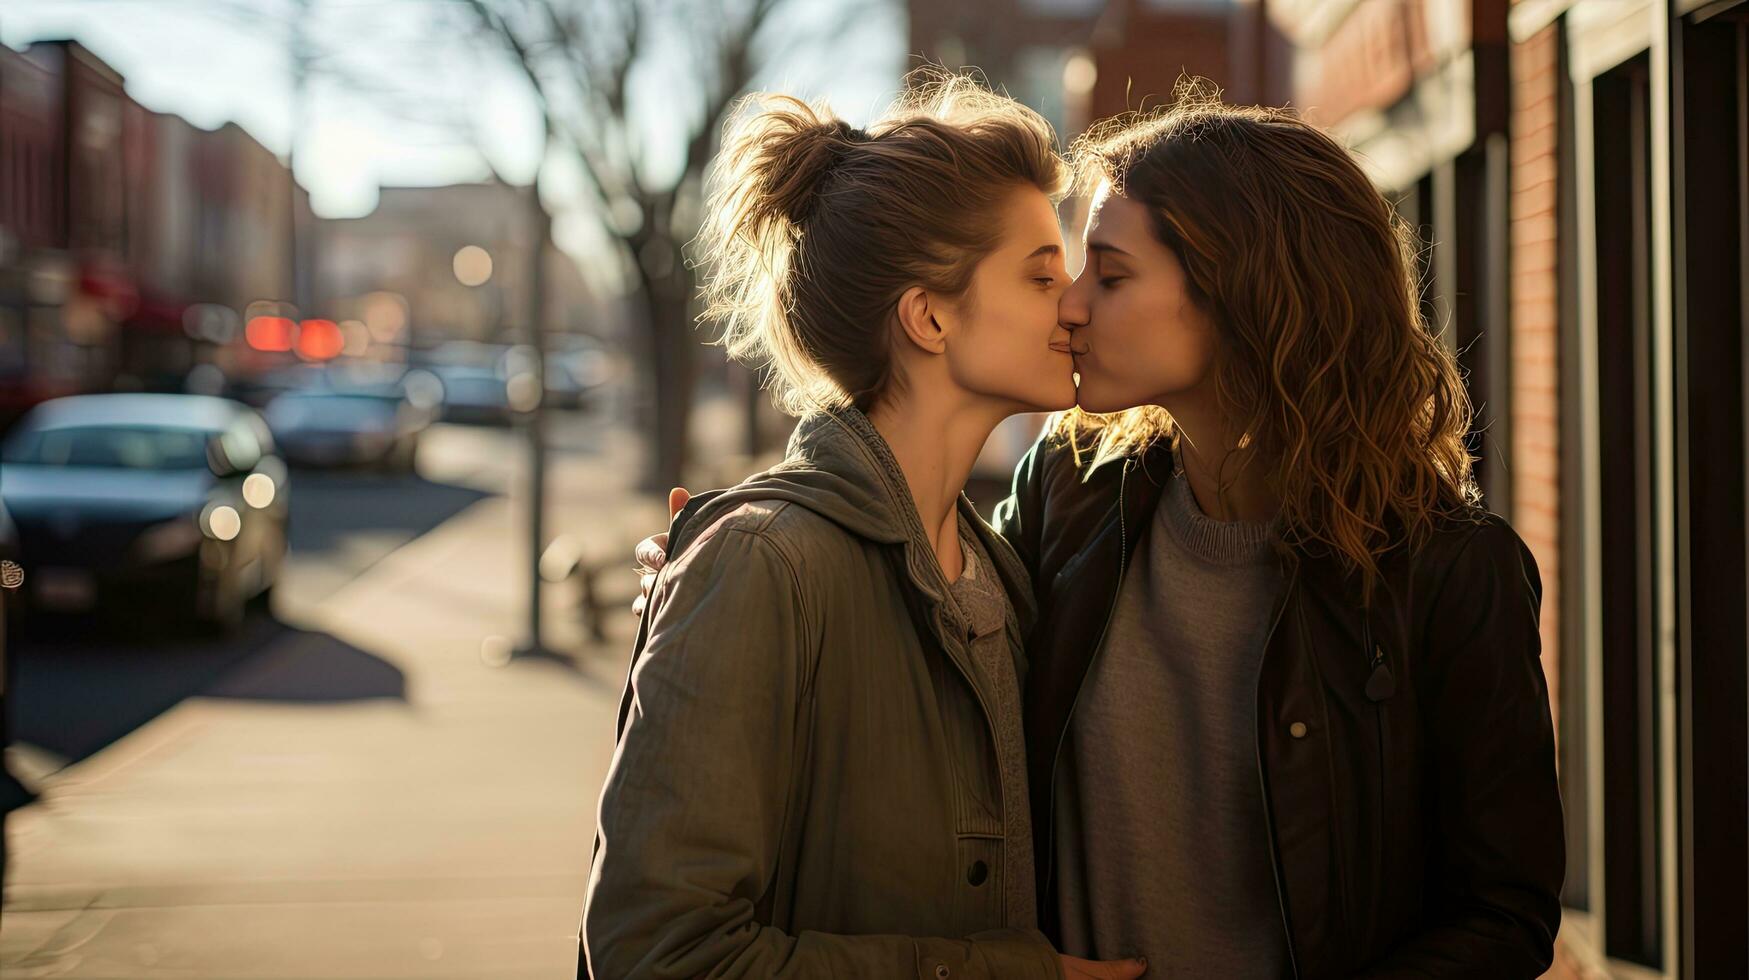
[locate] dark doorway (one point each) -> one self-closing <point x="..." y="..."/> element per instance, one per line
<point x="1711" y="228"/>
<point x="1621" y="124"/>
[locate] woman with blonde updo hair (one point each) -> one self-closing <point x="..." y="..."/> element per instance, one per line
<point x="820" y="769"/>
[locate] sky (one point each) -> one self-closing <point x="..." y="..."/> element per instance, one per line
<point x="450" y="98"/>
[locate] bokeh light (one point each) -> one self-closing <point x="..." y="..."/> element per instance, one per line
<point x="473" y="265"/>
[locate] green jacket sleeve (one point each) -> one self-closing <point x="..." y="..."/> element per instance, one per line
<point x="693" y="809"/>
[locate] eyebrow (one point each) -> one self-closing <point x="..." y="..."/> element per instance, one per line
<point x="1044" y="250"/>
<point x="1105" y="247"/>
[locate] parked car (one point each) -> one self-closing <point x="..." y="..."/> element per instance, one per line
<point x="146" y="499"/>
<point x="474" y="394"/>
<point x="258" y="390"/>
<point x="374" y="425"/>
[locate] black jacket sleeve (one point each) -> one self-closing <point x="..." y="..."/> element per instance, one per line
<point x="1499" y="855"/>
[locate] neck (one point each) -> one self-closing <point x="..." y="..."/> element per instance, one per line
<point x="936" y="439"/>
<point x="1230" y="482"/>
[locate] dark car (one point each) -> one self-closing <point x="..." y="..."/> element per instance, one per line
<point x="258" y="390"/>
<point x="146" y="500"/>
<point x="374" y="425"/>
<point x="477" y="395"/>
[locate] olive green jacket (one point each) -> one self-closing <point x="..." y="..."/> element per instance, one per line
<point x="806" y="781"/>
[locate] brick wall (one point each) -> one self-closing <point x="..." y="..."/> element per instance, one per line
<point x="1536" y="488"/>
<point x="1535" y="323"/>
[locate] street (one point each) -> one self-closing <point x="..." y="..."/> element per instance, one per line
<point x="359" y="782"/>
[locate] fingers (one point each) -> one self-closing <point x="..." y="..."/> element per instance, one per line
<point x="646" y="583"/>
<point x="652" y="552"/>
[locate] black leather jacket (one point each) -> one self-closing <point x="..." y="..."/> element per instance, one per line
<point x="1407" y="755"/>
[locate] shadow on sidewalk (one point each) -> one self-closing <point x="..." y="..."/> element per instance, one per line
<point x="303" y="666"/>
<point x="79" y="687"/>
<point x="329" y="507"/>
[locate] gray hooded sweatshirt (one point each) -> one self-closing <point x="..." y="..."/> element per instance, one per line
<point x="807" y="780"/>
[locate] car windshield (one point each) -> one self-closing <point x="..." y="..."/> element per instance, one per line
<point x="110" y="446"/>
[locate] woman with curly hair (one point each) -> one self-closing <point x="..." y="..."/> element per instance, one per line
<point x="1286" y="715"/>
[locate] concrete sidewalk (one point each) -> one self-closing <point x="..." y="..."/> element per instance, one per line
<point x="442" y="833"/>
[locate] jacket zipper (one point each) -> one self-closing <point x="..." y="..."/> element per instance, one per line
<point x="1263" y="780"/>
<point x="1123" y="554"/>
<point x="1380" y="685"/>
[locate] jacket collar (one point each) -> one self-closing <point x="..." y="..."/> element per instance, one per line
<point x="834" y="434"/>
<point x="839" y="466"/>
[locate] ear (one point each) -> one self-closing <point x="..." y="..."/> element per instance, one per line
<point x="920" y="319"/>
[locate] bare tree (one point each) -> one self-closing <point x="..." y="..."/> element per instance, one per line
<point x="636" y="91"/>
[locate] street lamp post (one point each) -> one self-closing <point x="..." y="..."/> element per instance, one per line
<point x="541" y="228"/>
<point x="473" y="268"/>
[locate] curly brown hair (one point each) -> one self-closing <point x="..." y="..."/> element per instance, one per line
<point x="1323" y="360"/>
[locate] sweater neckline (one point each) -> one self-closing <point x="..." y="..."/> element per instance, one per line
<point x="1215" y="541"/>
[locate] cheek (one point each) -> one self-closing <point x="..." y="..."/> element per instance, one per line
<point x="1006" y="354"/>
<point x="1015" y="331"/>
<point x="1144" y="349"/>
<point x="1177" y="352"/>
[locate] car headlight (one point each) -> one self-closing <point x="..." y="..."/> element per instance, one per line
<point x="171" y="539"/>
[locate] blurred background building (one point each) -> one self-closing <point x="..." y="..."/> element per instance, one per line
<point x="411" y="246"/>
<point x="1577" y="170"/>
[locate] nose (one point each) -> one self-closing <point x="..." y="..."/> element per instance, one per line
<point x="1075" y="307"/>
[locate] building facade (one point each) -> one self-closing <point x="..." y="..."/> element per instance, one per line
<point x="1629" y="244"/>
<point x="63" y="287"/>
<point x="1082" y="60"/>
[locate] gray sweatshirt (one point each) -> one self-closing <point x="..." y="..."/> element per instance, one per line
<point x="1163" y="847"/>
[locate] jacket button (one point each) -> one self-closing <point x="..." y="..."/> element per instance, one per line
<point x="1297" y="729"/>
<point x="942" y="972"/>
<point x="977" y="873"/>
